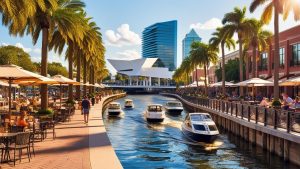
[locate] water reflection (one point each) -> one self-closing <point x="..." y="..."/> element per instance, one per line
<point x="142" y="145"/>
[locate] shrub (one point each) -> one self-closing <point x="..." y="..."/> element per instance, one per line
<point x="276" y="103"/>
<point x="45" y="112"/>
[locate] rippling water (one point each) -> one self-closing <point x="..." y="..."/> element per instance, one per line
<point x="141" y="145"/>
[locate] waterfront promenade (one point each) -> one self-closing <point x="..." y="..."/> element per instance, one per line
<point x="77" y="146"/>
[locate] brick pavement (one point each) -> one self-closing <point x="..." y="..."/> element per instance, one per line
<point x="74" y="144"/>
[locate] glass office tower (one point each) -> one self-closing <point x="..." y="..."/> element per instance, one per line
<point x="187" y="41"/>
<point x="160" y="41"/>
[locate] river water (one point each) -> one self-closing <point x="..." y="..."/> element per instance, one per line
<point x="142" y="145"/>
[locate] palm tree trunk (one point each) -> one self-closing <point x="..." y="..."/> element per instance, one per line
<point x="253" y="61"/>
<point x="84" y="76"/>
<point x="44" y="87"/>
<point x="223" y="70"/>
<point x="197" y="77"/>
<point x="205" y="82"/>
<point x="276" y="51"/>
<point x="90" y="79"/>
<point x="70" y="59"/>
<point x="78" y="77"/>
<point x="241" y="65"/>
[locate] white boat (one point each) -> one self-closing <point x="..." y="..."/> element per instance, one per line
<point x="174" y="107"/>
<point x="114" y="109"/>
<point x="200" y="127"/>
<point x="128" y="104"/>
<point x="155" y="113"/>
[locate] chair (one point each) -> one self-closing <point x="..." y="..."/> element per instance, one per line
<point x="22" y="141"/>
<point x="16" y="129"/>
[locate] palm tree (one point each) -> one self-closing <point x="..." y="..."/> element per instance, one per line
<point x="182" y="73"/>
<point x="222" y="38"/>
<point x="202" y="55"/>
<point x="258" y="39"/>
<point x="236" y="22"/>
<point x="195" y="54"/>
<point x="279" y="7"/>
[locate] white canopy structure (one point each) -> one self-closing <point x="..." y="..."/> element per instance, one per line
<point x="219" y="84"/>
<point x="255" y="82"/>
<point x="140" y="67"/>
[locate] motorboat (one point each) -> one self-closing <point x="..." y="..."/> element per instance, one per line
<point x="155" y="113"/>
<point x="174" y="107"/>
<point x="128" y="104"/>
<point x="114" y="109"/>
<point x="200" y="127"/>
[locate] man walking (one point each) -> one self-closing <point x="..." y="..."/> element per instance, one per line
<point x="86" y="105"/>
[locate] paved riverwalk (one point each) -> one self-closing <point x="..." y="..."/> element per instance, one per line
<point x="77" y="146"/>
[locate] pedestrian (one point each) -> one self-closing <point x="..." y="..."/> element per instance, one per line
<point x="86" y="105"/>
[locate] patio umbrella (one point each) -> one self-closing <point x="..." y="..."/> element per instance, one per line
<point x="219" y="84"/>
<point x="254" y="82"/>
<point x="291" y="82"/>
<point x="15" y="74"/>
<point x="63" y="80"/>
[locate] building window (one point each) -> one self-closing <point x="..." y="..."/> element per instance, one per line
<point x="264" y="61"/>
<point x="281" y="57"/>
<point x="296" y="54"/>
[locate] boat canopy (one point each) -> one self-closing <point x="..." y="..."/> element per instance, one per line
<point x="200" y="117"/>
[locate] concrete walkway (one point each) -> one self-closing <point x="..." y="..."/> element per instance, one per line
<point x="77" y="146"/>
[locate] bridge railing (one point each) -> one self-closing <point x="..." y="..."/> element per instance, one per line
<point x="288" y="121"/>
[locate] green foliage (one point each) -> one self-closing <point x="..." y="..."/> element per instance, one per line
<point x="17" y="56"/>
<point x="54" y="68"/>
<point x="70" y="102"/>
<point x="276" y="103"/>
<point x="231" y="73"/>
<point x="45" y="112"/>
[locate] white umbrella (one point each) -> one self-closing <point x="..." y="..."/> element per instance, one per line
<point x="63" y="80"/>
<point x="291" y="82"/>
<point x="254" y="82"/>
<point x="194" y="84"/>
<point x="219" y="84"/>
<point x="16" y="74"/>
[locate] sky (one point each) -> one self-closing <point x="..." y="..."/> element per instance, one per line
<point x="122" y="23"/>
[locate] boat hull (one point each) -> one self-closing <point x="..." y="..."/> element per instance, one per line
<point x="154" y="120"/>
<point x="114" y="113"/>
<point x="174" y="112"/>
<point x="128" y="107"/>
<point x="199" y="137"/>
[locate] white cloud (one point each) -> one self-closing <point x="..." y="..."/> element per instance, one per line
<point x="20" y="45"/>
<point x="123" y="36"/>
<point x="4" y="44"/>
<point x="128" y="55"/>
<point x="213" y="23"/>
<point x="37" y="51"/>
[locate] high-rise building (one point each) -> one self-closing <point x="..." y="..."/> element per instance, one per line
<point x="187" y="41"/>
<point x="160" y="41"/>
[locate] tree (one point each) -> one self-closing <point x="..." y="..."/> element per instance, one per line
<point x="257" y="39"/>
<point x="202" y="55"/>
<point x="16" y="56"/>
<point x="181" y="74"/>
<point x="236" y="22"/>
<point x="55" y="68"/>
<point x="222" y="38"/>
<point x="232" y="71"/>
<point x="279" y="7"/>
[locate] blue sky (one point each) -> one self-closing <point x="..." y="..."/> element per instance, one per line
<point x="122" y="22"/>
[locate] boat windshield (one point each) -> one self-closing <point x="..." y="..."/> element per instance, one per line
<point x="114" y="106"/>
<point x="174" y="104"/>
<point x="200" y="117"/>
<point x="128" y="101"/>
<point x="155" y="108"/>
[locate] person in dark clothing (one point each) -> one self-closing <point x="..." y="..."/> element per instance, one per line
<point x="86" y="105"/>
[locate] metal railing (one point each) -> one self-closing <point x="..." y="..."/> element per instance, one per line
<point x="276" y="118"/>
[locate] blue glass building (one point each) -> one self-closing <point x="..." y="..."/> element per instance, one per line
<point x="187" y="41"/>
<point x="160" y="41"/>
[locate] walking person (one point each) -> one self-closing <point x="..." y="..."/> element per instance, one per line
<point x="86" y="105"/>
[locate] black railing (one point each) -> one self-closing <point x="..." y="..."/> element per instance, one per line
<point x="276" y="118"/>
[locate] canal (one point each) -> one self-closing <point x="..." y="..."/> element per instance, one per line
<point x="142" y="145"/>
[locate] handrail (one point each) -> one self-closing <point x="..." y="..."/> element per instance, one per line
<point x="275" y="118"/>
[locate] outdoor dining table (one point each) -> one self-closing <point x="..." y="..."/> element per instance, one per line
<point x="7" y="137"/>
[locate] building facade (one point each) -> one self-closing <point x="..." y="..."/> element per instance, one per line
<point x="160" y="41"/>
<point x="191" y="37"/>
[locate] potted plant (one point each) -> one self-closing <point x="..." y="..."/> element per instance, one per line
<point x="70" y="102"/>
<point x="45" y="113"/>
<point x="276" y="104"/>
